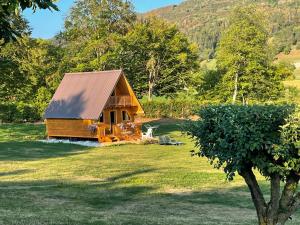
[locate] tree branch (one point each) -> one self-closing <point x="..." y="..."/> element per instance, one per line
<point x="289" y="202"/>
<point x="256" y="194"/>
<point x="289" y="190"/>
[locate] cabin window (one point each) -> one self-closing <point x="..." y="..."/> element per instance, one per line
<point x="125" y="116"/>
<point x="113" y="93"/>
<point x="101" y="118"/>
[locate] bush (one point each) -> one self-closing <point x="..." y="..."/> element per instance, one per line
<point x="265" y="138"/>
<point x="287" y="50"/>
<point x="170" y="108"/>
<point x="18" y="112"/>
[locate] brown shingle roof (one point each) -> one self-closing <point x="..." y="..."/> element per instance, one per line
<point x="82" y="95"/>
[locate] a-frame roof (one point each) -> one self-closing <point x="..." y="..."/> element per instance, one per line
<point x="83" y="95"/>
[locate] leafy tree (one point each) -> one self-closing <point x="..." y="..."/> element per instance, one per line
<point x="244" y="60"/>
<point x="156" y="56"/>
<point x="91" y="31"/>
<point x="10" y="18"/>
<point x="26" y="66"/>
<point x="241" y="139"/>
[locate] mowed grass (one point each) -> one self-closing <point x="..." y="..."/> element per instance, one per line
<point x="63" y="184"/>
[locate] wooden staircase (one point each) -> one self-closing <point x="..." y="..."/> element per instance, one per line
<point x="109" y="138"/>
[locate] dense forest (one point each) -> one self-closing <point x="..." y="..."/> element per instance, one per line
<point x="161" y="62"/>
<point x="203" y="21"/>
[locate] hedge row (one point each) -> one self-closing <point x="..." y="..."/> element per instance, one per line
<point x="170" y="108"/>
<point x="158" y="108"/>
<point x="18" y="112"/>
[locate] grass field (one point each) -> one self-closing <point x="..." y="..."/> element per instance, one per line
<point x="62" y="184"/>
<point x="294" y="58"/>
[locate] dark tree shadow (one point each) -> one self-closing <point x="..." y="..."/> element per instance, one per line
<point x="15" y="172"/>
<point x="33" y="150"/>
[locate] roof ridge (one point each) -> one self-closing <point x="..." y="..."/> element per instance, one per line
<point x="105" y="71"/>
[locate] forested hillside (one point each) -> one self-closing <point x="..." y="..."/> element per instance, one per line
<point x="160" y="59"/>
<point x="204" y="20"/>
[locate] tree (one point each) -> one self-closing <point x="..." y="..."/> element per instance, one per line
<point x="10" y="17"/>
<point x="243" y="57"/>
<point x="91" y="31"/>
<point x="156" y="56"/>
<point x="27" y="66"/>
<point x="241" y="139"/>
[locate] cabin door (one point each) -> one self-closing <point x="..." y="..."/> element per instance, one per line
<point x="112" y="117"/>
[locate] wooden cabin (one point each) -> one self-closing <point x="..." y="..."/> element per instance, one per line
<point x="94" y="105"/>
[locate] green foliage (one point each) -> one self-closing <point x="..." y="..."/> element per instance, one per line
<point x="41" y="100"/>
<point x="26" y="66"/>
<point x="244" y="61"/>
<point x="91" y="30"/>
<point x="236" y="136"/>
<point x="18" y="112"/>
<point x="204" y="21"/>
<point x="156" y="57"/>
<point x="284" y="70"/>
<point x="287" y="50"/>
<point x="11" y="23"/>
<point x="262" y="137"/>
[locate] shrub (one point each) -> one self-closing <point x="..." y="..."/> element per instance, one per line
<point x="170" y="108"/>
<point x="18" y="112"/>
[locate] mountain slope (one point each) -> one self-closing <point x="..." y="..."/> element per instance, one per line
<point x="204" y="20"/>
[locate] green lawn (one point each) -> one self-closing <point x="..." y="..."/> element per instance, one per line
<point x="130" y="184"/>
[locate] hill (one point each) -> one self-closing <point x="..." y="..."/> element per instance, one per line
<point x="204" y="20"/>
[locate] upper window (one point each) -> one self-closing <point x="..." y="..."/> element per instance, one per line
<point x="125" y="116"/>
<point x="101" y="118"/>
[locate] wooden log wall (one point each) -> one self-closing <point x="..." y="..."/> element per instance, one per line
<point x="70" y="128"/>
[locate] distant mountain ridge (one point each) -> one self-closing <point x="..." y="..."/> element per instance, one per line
<point x="204" y="20"/>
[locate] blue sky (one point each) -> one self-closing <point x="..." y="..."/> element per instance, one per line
<point x="45" y="24"/>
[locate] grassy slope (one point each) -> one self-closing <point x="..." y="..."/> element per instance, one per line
<point x="294" y="58"/>
<point x="129" y="184"/>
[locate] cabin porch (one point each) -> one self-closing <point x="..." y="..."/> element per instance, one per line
<point x="119" y="132"/>
<point x="103" y="132"/>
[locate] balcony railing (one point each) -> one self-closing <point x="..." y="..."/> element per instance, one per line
<point x="119" y="101"/>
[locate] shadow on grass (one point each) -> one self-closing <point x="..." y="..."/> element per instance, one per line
<point x="32" y="150"/>
<point x="15" y="172"/>
<point x="19" y="132"/>
<point x="116" y="200"/>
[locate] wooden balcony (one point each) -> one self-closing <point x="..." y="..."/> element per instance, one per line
<point x="120" y="101"/>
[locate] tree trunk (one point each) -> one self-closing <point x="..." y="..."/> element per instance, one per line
<point x="256" y="194"/>
<point x="281" y="206"/>
<point x="273" y="206"/>
<point x="235" y="88"/>
<point x="150" y="91"/>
